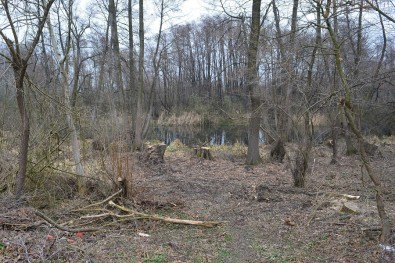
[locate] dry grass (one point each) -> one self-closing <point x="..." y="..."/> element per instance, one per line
<point x="229" y="152"/>
<point x="320" y="120"/>
<point x="384" y="140"/>
<point x="286" y="225"/>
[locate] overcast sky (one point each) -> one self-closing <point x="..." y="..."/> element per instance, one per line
<point x="191" y="9"/>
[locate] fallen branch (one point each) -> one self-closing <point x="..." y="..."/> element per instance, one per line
<point x="346" y="196"/>
<point x="104" y="215"/>
<point x="166" y="219"/>
<point x="101" y="202"/>
<point x="56" y="225"/>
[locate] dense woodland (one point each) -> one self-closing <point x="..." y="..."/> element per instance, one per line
<point x="301" y="71"/>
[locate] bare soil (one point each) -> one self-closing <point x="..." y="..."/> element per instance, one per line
<point x="265" y="219"/>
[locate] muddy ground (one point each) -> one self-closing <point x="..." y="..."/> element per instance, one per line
<point x="264" y="218"/>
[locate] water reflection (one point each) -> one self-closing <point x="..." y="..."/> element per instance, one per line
<point x="198" y="135"/>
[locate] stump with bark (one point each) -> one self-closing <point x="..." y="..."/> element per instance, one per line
<point x="300" y="169"/>
<point x="278" y="152"/>
<point x="154" y="153"/>
<point x="203" y="152"/>
<point x="371" y="149"/>
<point x="97" y="145"/>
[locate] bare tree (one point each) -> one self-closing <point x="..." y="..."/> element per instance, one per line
<point x="62" y="58"/>
<point x="145" y="97"/>
<point x="112" y="10"/>
<point x="138" y="136"/>
<point x="380" y="11"/>
<point x="348" y="108"/>
<point x="132" y="66"/>
<point x="19" y="59"/>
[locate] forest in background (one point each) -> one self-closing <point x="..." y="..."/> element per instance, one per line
<point x="200" y="67"/>
<point x="66" y="78"/>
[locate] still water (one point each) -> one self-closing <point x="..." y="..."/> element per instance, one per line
<point x="198" y="135"/>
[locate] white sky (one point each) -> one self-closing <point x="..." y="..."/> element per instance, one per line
<point x="193" y="9"/>
<point x="190" y="9"/>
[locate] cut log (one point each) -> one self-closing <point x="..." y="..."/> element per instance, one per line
<point x="203" y="152"/>
<point x="154" y="153"/>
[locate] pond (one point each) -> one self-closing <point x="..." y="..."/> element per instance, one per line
<point x="199" y="135"/>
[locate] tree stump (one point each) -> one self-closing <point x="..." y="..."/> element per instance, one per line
<point x="300" y="169"/>
<point x="278" y="152"/>
<point x="154" y="153"/>
<point x="203" y="152"/>
<point x="265" y="194"/>
<point x="371" y="149"/>
<point x="97" y="145"/>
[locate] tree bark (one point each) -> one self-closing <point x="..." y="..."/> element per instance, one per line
<point x="132" y="69"/>
<point x="138" y="136"/>
<point x="25" y="130"/>
<point x="116" y="51"/>
<point x="253" y="156"/>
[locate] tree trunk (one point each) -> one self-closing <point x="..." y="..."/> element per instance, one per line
<point x="132" y="70"/>
<point x="25" y="131"/>
<point x="278" y="152"/>
<point x="19" y="65"/>
<point x="386" y="223"/>
<point x="381" y="60"/>
<point x="116" y="51"/>
<point x="301" y="166"/>
<point x="334" y="133"/>
<point x="155" y="64"/>
<point x="100" y="82"/>
<point x="154" y="154"/>
<point x="138" y="136"/>
<point x="75" y="144"/>
<point x="350" y="148"/>
<point x="284" y="83"/>
<point x="253" y="156"/>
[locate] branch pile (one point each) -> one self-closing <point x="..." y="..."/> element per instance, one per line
<point x="96" y="213"/>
